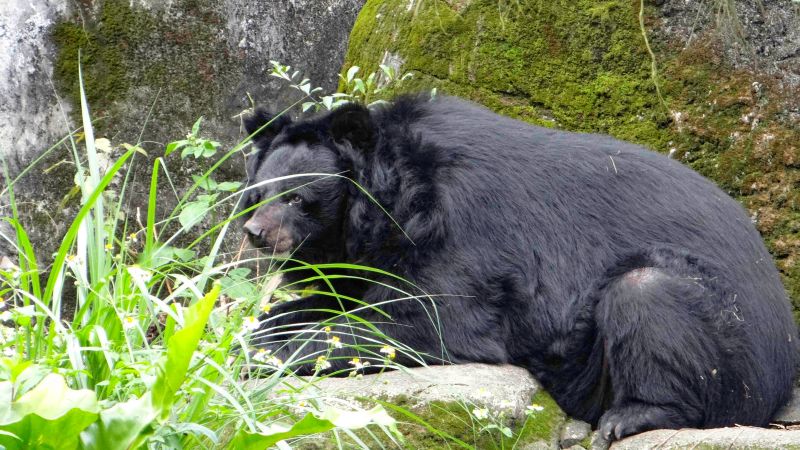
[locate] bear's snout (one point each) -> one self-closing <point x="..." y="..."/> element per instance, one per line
<point x="267" y="231"/>
<point x="253" y="228"/>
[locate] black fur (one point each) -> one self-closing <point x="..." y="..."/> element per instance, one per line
<point x="638" y="292"/>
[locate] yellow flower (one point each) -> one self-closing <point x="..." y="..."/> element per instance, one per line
<point x="132" y="237"/>
<point x="128" y="322"/>
<point x="71" y="258"/>
<point x="335" y="342"/>
<point x="327" y="330"/>
<point x="261" y="355"/>
<point x="250" y="323"/>
<point x="358" y="364"/>
<point x="389" y="351"/>
<point x="266" y="308"/>
<point x="322" y="363"/>
<point x="109" y="247"/>
<point x="534" y="408"/>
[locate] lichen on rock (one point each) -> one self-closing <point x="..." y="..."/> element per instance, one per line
<point x="585" y="66"/>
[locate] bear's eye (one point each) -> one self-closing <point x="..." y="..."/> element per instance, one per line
<point x="294" y="200"/>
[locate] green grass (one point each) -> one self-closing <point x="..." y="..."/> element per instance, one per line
<point x="157" y="346"/>
<point x="155" y="350"/>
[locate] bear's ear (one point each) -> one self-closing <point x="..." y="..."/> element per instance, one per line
<point x="265" y="134"/>
<point x="352" y="123"/>
<point x="255" y="123"/>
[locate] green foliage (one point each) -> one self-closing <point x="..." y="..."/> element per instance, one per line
<point x="28" y="419"/>
<point x="354" y="89"/>
<point x="150" y="357"/>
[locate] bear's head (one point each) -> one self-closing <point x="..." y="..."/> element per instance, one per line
<point x="298" y="178"/>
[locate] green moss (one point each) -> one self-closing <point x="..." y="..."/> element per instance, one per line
<point x="443" y="425"/>
<point x="132" y="57"/>
<point x="583" y="66"/>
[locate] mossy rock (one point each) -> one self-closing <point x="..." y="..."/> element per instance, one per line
<point x="585" y="66"/>
<point x="465" y="406"/>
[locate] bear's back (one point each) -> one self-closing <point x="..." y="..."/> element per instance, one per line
<point x="517" y="187"/>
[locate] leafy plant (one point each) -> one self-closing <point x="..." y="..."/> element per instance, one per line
<point x="356" y="89"/>
<point x="146" y="358"/>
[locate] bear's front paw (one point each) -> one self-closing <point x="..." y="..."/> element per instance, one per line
<point x="632" y="418"/>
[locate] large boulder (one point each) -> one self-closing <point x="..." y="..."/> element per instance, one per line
<point x="151" y="68"/>
<point x="712" y="84"/>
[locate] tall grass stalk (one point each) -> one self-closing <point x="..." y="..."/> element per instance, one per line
<point x="154" y="353"/>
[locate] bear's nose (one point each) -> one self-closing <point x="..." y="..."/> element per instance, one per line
<point x="253" y="228"/>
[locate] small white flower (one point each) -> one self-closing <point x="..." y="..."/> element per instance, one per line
<point x="389" y="351"/>
<point x="358" y="364"/>
<point x="250" y="323"/>
<point x="139" y="274"/>
<point x="534" y="408"/>
<point x="334" y="341"/>
<point x="261" y="355"/>
<point x="480" y="413"/>
<point x="5" y="316"/>
<point x="322" y="363"/>
<point x="129" y="322"/>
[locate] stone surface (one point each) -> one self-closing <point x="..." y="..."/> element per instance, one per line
<point x="754" y="34"/>
<point x="720" y="438"/>
<point x="151" y="68"/>
<point x="498" y="388"/>
<point x="574" y="432"/>
<point x="31" y="115"/>
<point x="790" y="414"/>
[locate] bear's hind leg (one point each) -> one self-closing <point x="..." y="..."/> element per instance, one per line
<point x="661" y="353"/>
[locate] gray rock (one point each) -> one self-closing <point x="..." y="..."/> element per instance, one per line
<point x="754" y="34"/>
<point x="538" y="445"/>
<point x="722" y="438"/>
<point x="790" y="414"/>
<point x="498" y="388"/>
<point x="597" y="442"/>
<point x="176" y="61"/>
<point x="32" y="117"/>
<point x="574" y="432"/>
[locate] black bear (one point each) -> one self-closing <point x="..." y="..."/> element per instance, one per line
<point x="635" y="290"/>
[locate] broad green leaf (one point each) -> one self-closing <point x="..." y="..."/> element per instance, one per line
<point x="360" y="87"/>
<point x="196" y="126"/>
<point x="29" y="422"/>
<point x="184" y="254"/>
<point x="122" y="426"/>
<point x="192" y="213"/>
<point x="180" y="348"/>
<point x="310" y="424"/>
<point x="206" y="183"/>
<point x="127" y="424"/>
<point x="167" y="254"/>
<point x="351" y="72"/>
<point x="172" y="146"/>
<point x="229" y="186"/>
